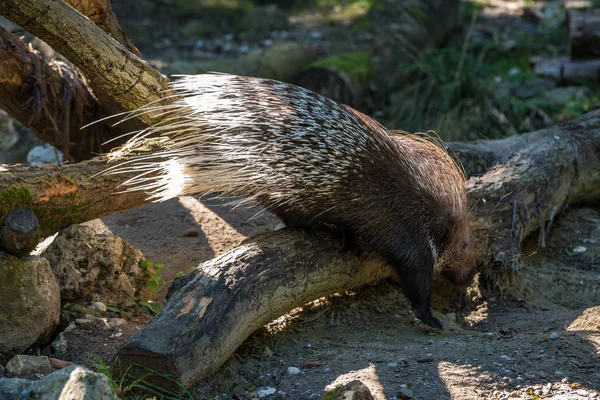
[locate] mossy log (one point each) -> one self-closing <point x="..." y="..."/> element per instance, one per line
<point x="343" y="78"/>
<point x="283" y="61"/>
<point x="518" y="185"/>
<point x="65" y="194"/>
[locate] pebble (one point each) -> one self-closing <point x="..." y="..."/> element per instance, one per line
<point x="293" y="370"/>
<point x="405" y="392"/>
<point x="553" y="336"/>
<point x="505" y="357"/>
<point x="392" y="365"/>
<point x="99" y="306"/>
<point x="265" y="391"/>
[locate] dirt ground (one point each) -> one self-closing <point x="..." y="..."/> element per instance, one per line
<point x="541" y="339"/>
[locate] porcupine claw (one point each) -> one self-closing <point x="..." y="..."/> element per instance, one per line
<point x="426" y="317"/>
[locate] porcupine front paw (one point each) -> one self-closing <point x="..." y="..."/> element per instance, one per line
<point x="429" y="319"/>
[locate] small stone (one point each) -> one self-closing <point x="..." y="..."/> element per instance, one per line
<point x="43" y="155"/>
<point x="557" y="373"/>
<point x="492" y="299"/>
<point x="405" y="393"/>
<point x="308" y="345"/>
<point x="60" y="346"/>
<point x="505" y="357"/>
<point x="19" y="232"/>
<point x="118" y="334"/>
<point x="579" y="250"/>
<point x="98" y="306"/>
<point x="265" y="391"/>
<point x="553" y="336"/>
<point x="29" y="366"/>
<point x="267" y="42"/>
<point x="327" y="369"/>
<point x="293" y="370"/>
<point x="392" y="365"/>
<point x="355" y="390"/>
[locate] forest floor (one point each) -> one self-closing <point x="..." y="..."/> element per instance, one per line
<point x="539" y="340"/>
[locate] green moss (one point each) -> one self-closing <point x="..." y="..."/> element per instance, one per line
<point x="357" y="65"/>
<point x="332" y="394"/>
<point x="15" y="196"/>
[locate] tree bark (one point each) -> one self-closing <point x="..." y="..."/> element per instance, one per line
<point x="100" y="12"/>
<point x="526" y="181"/>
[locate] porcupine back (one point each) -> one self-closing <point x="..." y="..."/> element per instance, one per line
<point x="311" y="161"/>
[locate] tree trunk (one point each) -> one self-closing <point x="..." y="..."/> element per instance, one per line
<point x="528" y="180"/>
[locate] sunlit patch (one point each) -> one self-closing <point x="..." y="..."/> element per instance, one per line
<point x="588" y="321"/>
<point x="224" y="235"/>
<point x="368" y="376"/>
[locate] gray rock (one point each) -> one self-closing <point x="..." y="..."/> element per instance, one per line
<point x="405" y="392"/>
<point x="43" y="155"/>
<point x="60" y="345"/>
<point x="24" y="366"/>
<point x="73" y="383"/>
<point x="30" y="299"/>
<point x="293" y="370"/>
<point x="99" y="306"/>
<point x="19" y="232"/>
<point x="355" y="390"/>
<point x="96" y="266"/>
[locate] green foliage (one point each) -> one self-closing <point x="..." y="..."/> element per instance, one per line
<point x="187" y="271"/>
<point x="140" y="385"/>
<point x="126" y="308"/>
<point x="154" y="277"/>
<point x="357" y="65"/>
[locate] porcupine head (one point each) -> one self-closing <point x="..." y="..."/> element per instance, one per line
<point x="312" y="162"/>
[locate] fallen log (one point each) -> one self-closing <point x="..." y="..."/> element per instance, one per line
<point x="518" y="185"/>
<point x="65" y="194"/>
<point x="229" y="297"/>
<point x="566" y="71"/>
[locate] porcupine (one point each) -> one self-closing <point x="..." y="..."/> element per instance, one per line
<point x="312" y="162"/>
